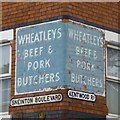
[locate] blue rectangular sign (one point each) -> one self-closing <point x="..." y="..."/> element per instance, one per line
<point x="40" y="57"/>
<point x="85" y="59"/>
<point x="56" y="55"/>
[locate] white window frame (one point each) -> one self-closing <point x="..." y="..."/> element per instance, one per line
<point x="5" y="39"/>
<point x="5" y="114"/>
<point x="110" y="115"/>
<point x="7" y="74"/>
<point x="111" y="78"/>
<point x="113" y="116"/>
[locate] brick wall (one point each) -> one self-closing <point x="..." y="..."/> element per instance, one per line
<point x="17" y="14"/>
<point x="104" y="14"/>
<point x="97" y="107"/>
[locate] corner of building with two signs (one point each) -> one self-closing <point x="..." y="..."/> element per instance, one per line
<point x="54" y="35"/>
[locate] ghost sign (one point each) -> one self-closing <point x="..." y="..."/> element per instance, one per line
<point x="85" y="59"/>
<point x="56" y="55"/>
<point x="39" y="57"/>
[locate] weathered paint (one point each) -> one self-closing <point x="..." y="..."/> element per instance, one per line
<point x="61" y="63"/>
<point x="50" y="58"/>
<point x="85" y="49"/>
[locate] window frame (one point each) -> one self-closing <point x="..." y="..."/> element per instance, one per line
<point x="111" y="78"/>
<point x="6" y="37"/>
<point x="112" y="116"/>
<point x="5" y="78"/>
<point x="5" y="115"/>
<point x="7" y="74"/>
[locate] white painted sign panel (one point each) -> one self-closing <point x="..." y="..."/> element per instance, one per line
<point x="36" y="100"/>
<point x="82" y="95"/>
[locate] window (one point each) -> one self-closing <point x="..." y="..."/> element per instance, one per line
<point x="113" y="62"/>
<point x="5" y="95"/>
<point x="5" y="76"/>
<point x="113" y="80"/>
<point x="5" y="63"/>
<point x="5" y="72"/>
<point x="112" y="97"/>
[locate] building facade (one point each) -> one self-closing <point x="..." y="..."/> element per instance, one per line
<point x="59" y="60"/>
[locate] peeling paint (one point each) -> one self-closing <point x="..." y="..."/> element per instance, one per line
<point x="70" y="56"/>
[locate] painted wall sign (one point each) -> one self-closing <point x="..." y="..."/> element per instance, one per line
<point x="82" y="95"/>
<point x="52" y="55"/>
<point x="36" y="100"/>
<point x="85" y="59"/>
<point x="40" y="57"/>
